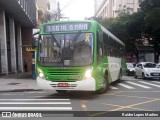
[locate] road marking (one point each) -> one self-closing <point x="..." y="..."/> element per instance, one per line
<point x="36" y="92"/>
<point x="34" y="108"/>
<point x="126" y="86"/>
<point x="149" y="84"/>
<point x="35" y="103"/>
<point x="31" y="99"/>
<point x="143" y="86"/>
<point x="12" y="94"/>
<point x="128" y="78"/>
<point x="134" y="96"/>
<point x="111" y="87"/>
<point x="156" y="82"/>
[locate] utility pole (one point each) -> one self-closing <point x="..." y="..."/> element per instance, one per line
<point x="59" y="11"/>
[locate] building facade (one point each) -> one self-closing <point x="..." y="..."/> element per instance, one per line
<point x="17" y="18"/>
<point x="42" y="7"/>
<point x="111" y="8"/>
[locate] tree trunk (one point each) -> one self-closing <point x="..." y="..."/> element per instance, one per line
<point x="137" y="56"/>
<point x="156" y="51"/>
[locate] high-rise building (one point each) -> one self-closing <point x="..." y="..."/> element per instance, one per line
<point x="111" y="8"/>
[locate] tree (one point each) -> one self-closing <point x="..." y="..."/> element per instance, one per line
<point x="135" y="28"/>
<point x="151" y="9"/>
<point x="50" y="15"/>
<point x="119" y="26"/>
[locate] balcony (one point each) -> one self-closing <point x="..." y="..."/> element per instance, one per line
<point x="23" y="11"/>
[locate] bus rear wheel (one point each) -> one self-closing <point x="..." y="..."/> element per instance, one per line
<point x="120" y="77"/>
<point x="105" y="85"/>
<point x="62" y="91"/>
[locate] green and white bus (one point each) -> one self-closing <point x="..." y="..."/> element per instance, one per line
<point x="79" y="56"/>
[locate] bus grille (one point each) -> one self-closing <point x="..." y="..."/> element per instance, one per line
<point x="64" y="75"/>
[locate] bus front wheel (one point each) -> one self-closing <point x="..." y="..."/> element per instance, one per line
<point x="62" y="91"/>
<point x="105" y="84"/>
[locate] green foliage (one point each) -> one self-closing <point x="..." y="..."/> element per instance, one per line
<point x="152" y="22"/>
<point x="132" y="29"/>
<point x="148" y="5"/>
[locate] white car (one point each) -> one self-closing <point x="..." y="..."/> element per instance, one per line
<point x="158" y="65"/>
<point x="147" y="70"/>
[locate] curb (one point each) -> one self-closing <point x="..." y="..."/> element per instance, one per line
<point x="20" y="90"/>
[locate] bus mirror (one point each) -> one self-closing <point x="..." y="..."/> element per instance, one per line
<point x="35" y="43"/>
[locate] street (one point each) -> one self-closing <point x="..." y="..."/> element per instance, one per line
<point x="129" y="95"/>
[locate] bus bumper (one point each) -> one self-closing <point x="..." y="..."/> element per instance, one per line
<point x="83" y="85"/>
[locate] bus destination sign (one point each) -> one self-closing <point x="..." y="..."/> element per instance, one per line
<point x="63" y="27"/>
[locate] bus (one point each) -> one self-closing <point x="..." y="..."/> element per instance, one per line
<point x="79" y="56"/>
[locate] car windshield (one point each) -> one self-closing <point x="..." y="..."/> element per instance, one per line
<point x="150" y="65"/>
<point x="66" y="49"/>
<point x="130" y="65"/>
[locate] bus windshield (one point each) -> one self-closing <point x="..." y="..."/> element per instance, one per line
<point x="66" y="49"/>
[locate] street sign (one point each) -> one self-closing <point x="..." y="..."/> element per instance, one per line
<point x="30" y="49"/>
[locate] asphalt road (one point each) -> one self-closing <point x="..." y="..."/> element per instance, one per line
<point x="136" y="97"/>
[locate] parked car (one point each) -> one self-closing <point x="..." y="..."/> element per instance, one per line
<point x="147" y="70"/>
<point x="158" y="65"/>
<point x="130" y="68"/>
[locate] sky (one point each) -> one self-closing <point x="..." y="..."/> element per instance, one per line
<point x="77" y="9"/>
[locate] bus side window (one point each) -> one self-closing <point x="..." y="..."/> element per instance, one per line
<point x="99" y="46"/>
<point x="106" y="44"/>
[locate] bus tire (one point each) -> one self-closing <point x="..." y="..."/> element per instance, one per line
<point x="106" y="84"/>
<point x="62" y="91"/>
<point x="120" y="77"/>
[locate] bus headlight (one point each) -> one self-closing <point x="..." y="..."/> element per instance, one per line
<point x="40" y="72"/>
<point x="88" y="73"/>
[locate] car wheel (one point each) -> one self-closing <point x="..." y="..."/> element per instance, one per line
<point x="120" y="77"/>
<point x="135" y="76"/>
<point x="143" y="76"/>
<point x="105" y="85"/>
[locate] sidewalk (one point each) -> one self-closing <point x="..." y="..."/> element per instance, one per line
<point x="18" y="82"/>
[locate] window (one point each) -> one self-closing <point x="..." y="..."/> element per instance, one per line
<point x="113" y="2"/>
<point x="130" y="1"/>
<point x="105" y="38"/>
<point x="140" y="1"/>
<point x="139" y="65"/>
<point x="138" y="9"/>
<point x="130" y="10"/>
<point x="106" y="44"/>
<point x="99" y="46"/>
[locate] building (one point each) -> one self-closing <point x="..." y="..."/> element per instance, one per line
<point x="42" y="7"/>
<point x="17" y="18"/>
<point x="53" y="4"/>
<point x="111" y="8"/>
<point x="46" y="10"/>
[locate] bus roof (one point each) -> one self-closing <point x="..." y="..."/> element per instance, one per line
<point x="69" y="21"/>
<point x="92" y="22"/>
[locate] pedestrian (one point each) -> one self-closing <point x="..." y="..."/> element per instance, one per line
<point x="25" y="66"/>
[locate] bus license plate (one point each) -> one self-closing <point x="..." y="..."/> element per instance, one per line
<point x="63" y="85"/>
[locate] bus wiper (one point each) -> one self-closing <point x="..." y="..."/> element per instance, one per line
<point x="58" y="45"/>
<point x="76" y="37"/>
